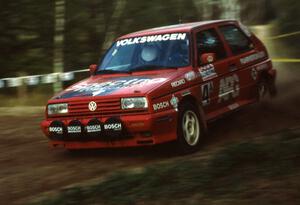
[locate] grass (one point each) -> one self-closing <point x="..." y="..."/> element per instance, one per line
<point x="264" y="171"/>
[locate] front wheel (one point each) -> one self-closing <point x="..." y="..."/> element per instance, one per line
<point x="190" y="129"/>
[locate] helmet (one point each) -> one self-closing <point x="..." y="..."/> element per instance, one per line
<point x="149" y="53"/>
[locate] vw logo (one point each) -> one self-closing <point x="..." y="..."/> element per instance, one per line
<point x="92" y="106"/>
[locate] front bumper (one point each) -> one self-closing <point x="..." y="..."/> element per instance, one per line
<point x="138" y="130"/>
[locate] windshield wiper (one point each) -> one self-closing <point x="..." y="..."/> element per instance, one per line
<point x="150" y="67"/>
<point x="111" y="71"/>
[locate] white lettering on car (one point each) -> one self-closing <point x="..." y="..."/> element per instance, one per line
<point x="58" y="130"/>
<point x="98" y="88"/>
<point x="113" y="126"/>
<point x="93" y="128"/>
<point x="253" y="57"/>
<point x="161" y="105"/>
<point x="177" y="83"/>
<point x="74" y="129"/>
<point x="207" y="71"/>
<point x="229" y="88"/>
<point x="153" y="38"/>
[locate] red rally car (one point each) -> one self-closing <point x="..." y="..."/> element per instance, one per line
<point x="162" y="84"/>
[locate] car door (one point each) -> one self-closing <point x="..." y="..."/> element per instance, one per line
<point x="218" y="86"/>
<point x="241" y="50"/>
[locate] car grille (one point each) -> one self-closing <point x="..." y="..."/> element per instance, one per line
<point x="103" y="107"/>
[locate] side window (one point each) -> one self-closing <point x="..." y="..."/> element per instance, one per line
<point x="208" y="41"/>
<point x="237" y="40"/>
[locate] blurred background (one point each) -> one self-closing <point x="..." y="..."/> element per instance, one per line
<point x="40" y="37"/>
<point x="48" y="45"/>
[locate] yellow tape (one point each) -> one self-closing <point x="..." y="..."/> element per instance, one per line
<point x="286" y="60"/>
<point x="283" y="35"/>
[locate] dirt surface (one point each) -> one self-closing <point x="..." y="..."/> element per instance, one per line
<point x="29" y="167"/>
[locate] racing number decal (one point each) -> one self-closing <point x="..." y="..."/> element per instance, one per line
<point x="229" y="88"/>
<point x="206" y="90"/>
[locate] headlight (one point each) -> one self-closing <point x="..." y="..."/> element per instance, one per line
<point x="60" y="108"/>
<point x="134" y="103"/>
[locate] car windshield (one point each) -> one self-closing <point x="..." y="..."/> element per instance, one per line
<point x="147" y="53"/>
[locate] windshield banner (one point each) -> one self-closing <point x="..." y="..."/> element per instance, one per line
<point x="153" y="38"/>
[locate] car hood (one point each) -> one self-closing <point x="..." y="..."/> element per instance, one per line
<point x="103" y="85"/>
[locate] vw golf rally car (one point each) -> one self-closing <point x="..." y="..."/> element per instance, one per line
<point x="160" y="85"/>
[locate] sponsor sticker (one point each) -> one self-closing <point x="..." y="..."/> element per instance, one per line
<point x="178" y="83"/>
<point x="185" y="93"/>
<point x="229" y="88"/>
<point x="207" y="71"/>
<point x="190" y="76"/>
<point x="93" y="128"/>
<point x="174" y="102"/>
<point x="96" y="89"/>
<point x="152" y="38"/>
<point x="113" y="126"/>
<point x="57" y="130"/>
<point x="253" y="57"/>
<point x="74" y="129"/>
<point x="206" y="90"/>
<point x="161" y="105"/>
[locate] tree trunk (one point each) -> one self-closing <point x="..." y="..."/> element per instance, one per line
<point x="58" y="58"/>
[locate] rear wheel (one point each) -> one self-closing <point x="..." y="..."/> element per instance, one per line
<point x="190" y="129"/>
<point x="267" y="86"/>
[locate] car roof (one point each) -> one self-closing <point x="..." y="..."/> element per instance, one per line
<point x="185" y="27"/>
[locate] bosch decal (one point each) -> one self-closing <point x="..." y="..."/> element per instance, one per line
<point x="93" y="128"/>
<point x="58" y="130"/>
<point x="160" y="105"/>
<point x="229" y="88"/>
<point x="207" y="72"/>
<point x="153" y="38"/>
<point x="74" y="129"/>
<point x="113" y="126"/>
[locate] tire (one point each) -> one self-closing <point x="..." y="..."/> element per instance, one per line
<point x="190" y="129"/>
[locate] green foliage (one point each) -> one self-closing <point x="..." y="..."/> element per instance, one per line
<point x="288" y="15"/>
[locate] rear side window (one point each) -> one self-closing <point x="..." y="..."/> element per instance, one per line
<point x="208" y="41"/>
<point x="237" y="40"/>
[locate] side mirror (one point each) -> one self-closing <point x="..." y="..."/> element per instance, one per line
<point x="93" y="69"/>
<point x="206" y="58"/>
